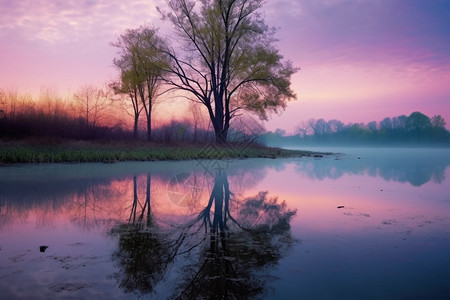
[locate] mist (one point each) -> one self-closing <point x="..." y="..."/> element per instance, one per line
<point x="417" y="129"/>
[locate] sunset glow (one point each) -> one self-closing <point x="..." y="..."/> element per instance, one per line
<point x="360" y="61"/>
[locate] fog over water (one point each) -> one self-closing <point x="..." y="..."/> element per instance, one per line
<point x="360" y="223"/>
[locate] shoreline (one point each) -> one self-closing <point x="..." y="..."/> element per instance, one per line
<point x="37" y="152"/>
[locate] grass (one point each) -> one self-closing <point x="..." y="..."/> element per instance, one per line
<point x="110" y="152"/>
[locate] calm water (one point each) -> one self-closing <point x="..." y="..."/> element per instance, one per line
<point x="367" y="224"/>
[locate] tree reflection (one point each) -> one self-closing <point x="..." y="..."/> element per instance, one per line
<point x="414" y="167"/>
<point x="238" y="248"/>
<point x="144" y="250"/>
<point x="223" y="252"/>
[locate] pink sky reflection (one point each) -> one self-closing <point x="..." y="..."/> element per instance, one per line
<point x="369" y="202"/>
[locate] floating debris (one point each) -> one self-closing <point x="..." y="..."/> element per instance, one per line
<point x="340" y="206"/>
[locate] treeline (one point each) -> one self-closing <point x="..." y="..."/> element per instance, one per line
<point x="415" y="129"/>
<point x="88" y="114"/>
<point x="99" y="114"/>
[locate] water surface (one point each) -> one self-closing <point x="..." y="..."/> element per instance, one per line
<point x="366" y="224"/>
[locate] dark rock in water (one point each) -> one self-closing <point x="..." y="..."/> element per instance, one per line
<point x="340" y="206"/>
<point x="43" y="248"/>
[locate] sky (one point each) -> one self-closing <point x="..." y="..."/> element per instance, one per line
<point x="359" y="60"/>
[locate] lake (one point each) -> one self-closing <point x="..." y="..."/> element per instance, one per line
<point x="359" y="224"/>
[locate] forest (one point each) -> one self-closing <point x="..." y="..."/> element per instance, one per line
<point x="415" y="129"/>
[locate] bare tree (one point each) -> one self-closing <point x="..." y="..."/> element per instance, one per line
<point x="373" y="127"/>
<point x="438" y="121"/>
<point x="399" y="122"/>
<point x="386" y="124"/>
<point x="228" y="60"/>
<point x="91" y="104"/>
<point x="199" y="122"/>
<point x="336" y="125"/>
<point x="303" y="129"/>
<point x="52" y="104"/>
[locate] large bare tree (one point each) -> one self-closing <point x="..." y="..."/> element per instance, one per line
<point x="227" y="59"/>
<point x="140" y="63"/>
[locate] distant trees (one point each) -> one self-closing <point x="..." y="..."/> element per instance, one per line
<point x="50" y="115"/>
<point x="52" y="104"/>
<point x="386" y="124"/>
<point x="90" y="103"/>
<point x="438" y="122"/>
<point x="418" y="122"/>
<point x="11" y="102"/>
<point x="200" y="122"/>
<point x="417" y="128"/>
<point x="227" y="60"/>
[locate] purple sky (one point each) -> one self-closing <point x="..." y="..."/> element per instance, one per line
<point x="360" y="60"/>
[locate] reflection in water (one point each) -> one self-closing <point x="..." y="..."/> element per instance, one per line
<point x="84" y="202"/>
<point x="224" y="260"/>
<point x="236" y="247"/>
<point x="143" y="251"/>
<point x="131" y="230"/>
<point x="416" y="167"/>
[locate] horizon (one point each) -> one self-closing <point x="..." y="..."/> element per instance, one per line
<point x="360" y="61"/>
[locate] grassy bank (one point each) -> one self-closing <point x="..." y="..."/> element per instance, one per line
<point x="79" y="151"/>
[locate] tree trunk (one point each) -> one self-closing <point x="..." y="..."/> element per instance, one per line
<point x="149" y="127"/>
<point x="135" y="131"/>
<point x="221" y="126"/>
<point x="221" y="137"/>
<point x="218" y="122"/>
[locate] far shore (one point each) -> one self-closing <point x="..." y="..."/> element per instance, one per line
<point x="56" y="151"/>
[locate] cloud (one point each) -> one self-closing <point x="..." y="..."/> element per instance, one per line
<point x="55" y="21"/>
<point x="64" y="43"/>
